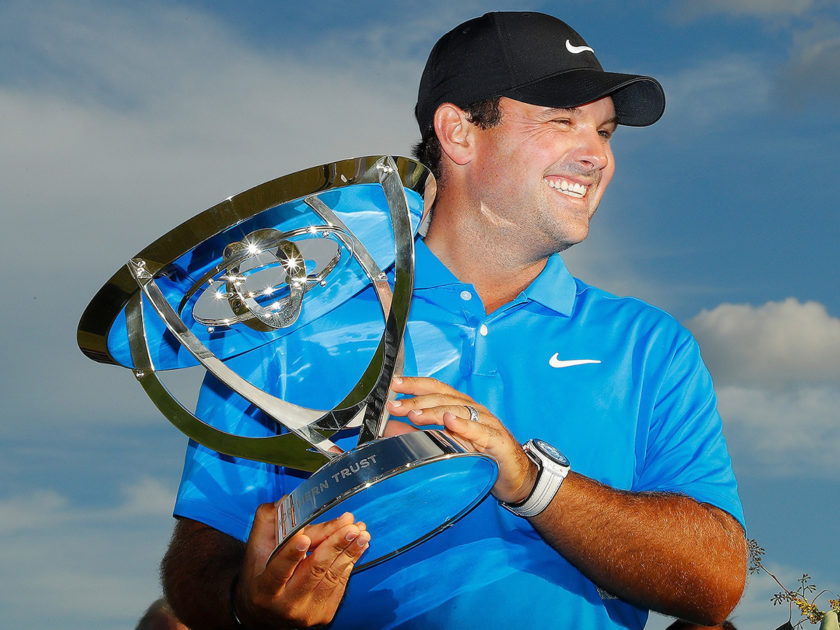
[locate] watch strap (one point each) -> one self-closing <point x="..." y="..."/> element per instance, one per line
<point x="549" y="479"/>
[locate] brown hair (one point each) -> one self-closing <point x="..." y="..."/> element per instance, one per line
<point x="484" y="113"/>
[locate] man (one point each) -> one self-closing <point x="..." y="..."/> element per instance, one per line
<point x="516" y="116"/>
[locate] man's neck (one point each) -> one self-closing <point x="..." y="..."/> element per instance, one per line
<point x="475" y="253"/>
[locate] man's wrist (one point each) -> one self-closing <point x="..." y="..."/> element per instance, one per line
<point x="553" y="468"/>
<point x="532" y="475"/>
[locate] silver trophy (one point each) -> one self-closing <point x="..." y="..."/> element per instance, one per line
<point x="275" y="261"/>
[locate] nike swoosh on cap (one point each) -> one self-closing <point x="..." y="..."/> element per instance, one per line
<point x="556" y="362"/>
<point x="576" y="50"/>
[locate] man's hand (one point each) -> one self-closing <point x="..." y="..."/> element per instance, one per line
<point x="304" y="582"/>
<point x="435" y="403"/>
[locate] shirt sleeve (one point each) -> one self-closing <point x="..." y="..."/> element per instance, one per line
<point x="685" y="450"/>
<point x="223" y="491"/>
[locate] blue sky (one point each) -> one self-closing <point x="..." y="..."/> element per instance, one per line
<point x="120" y="120"/>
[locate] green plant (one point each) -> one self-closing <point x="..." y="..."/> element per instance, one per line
<point x="802" y="596"/>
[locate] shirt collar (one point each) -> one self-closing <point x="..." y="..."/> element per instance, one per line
<point x="429" y="272"/>
<point x="554" y="288"/>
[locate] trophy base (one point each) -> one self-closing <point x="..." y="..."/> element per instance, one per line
<point x="405" y="488"/>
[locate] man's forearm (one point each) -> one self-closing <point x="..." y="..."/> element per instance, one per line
<point x="197" y="572"/>
<point x="661" y="551"/>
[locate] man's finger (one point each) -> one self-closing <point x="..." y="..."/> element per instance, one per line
<point x="262" y="539"/>
<point x="319" y="532"/>
<point x="420" y="385"/>
<point x="419" y="405"/>
<point x="477" y="433"/>
<point x="336" y="574"/>
<point x="343" y="546"/>
<point x="433" y="414"/>
<point x="285" y="562"/>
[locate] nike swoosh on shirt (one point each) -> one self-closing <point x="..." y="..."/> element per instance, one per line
<point x="556" y="362"/>
<point x="576" y="50"/>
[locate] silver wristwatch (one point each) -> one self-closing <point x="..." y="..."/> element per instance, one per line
<point x="553" y="468"/>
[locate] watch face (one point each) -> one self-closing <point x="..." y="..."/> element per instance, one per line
<point x="551" y="452"/>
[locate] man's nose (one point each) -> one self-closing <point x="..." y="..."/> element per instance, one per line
<point x="593" y="150"/>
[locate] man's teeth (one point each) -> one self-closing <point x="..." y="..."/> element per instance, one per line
<point x="568" y="188"/>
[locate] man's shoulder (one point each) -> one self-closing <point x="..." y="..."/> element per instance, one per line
<point x="596" y="305"/>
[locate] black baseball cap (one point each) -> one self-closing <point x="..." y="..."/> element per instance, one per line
<point x="530" y="57"/>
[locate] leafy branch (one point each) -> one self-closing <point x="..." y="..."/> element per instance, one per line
<point x="801" y="596"/>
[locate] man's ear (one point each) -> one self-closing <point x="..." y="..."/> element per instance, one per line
<point x="454" y="132"/>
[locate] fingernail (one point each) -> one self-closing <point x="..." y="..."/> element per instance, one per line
<point x="301" y="545"/>
<point x="351" y="535"/>
<point x="416" y="412"/>
<point x="396" y="380"/>
<point x="396" y="403"/>
<point x="363" y="540"/>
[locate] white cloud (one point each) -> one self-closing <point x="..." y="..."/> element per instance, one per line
<point x="779" y="343"/>
<point x="146" y="496"/>
<point x="95" y="565"/>
<point x="777" y="370"/>
<point x="149" y="116"/>
<point x="783" y="432"/>
<point x="47" y="509"/>
<point x="717" y="89"/>
<point x="120" y="122"/>
<point x="23" y="512"/>
<point x="814" y="68"/>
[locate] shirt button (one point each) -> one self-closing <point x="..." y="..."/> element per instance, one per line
<point x="483" y="330"/>
<point x="466" y="295"/>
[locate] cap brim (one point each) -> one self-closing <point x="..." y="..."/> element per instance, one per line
<point x="639" y="100"/>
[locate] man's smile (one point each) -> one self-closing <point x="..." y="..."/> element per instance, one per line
<point x="572" y="189"/>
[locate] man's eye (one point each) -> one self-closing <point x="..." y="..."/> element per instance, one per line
<point x="562" y="121"/>
<point x="605" y="133"/>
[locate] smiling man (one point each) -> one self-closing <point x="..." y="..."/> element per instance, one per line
<point x="615" y="493"/>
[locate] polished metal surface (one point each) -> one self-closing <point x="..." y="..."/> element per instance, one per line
<point x="261" y="278"/>
<point x="426" y="474"/>
<point x="260" y="269"/>
<point x="261" y="266"/>
<point x="103" y="317"/>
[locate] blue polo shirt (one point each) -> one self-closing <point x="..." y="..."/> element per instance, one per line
<point x="617" y="385"/>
